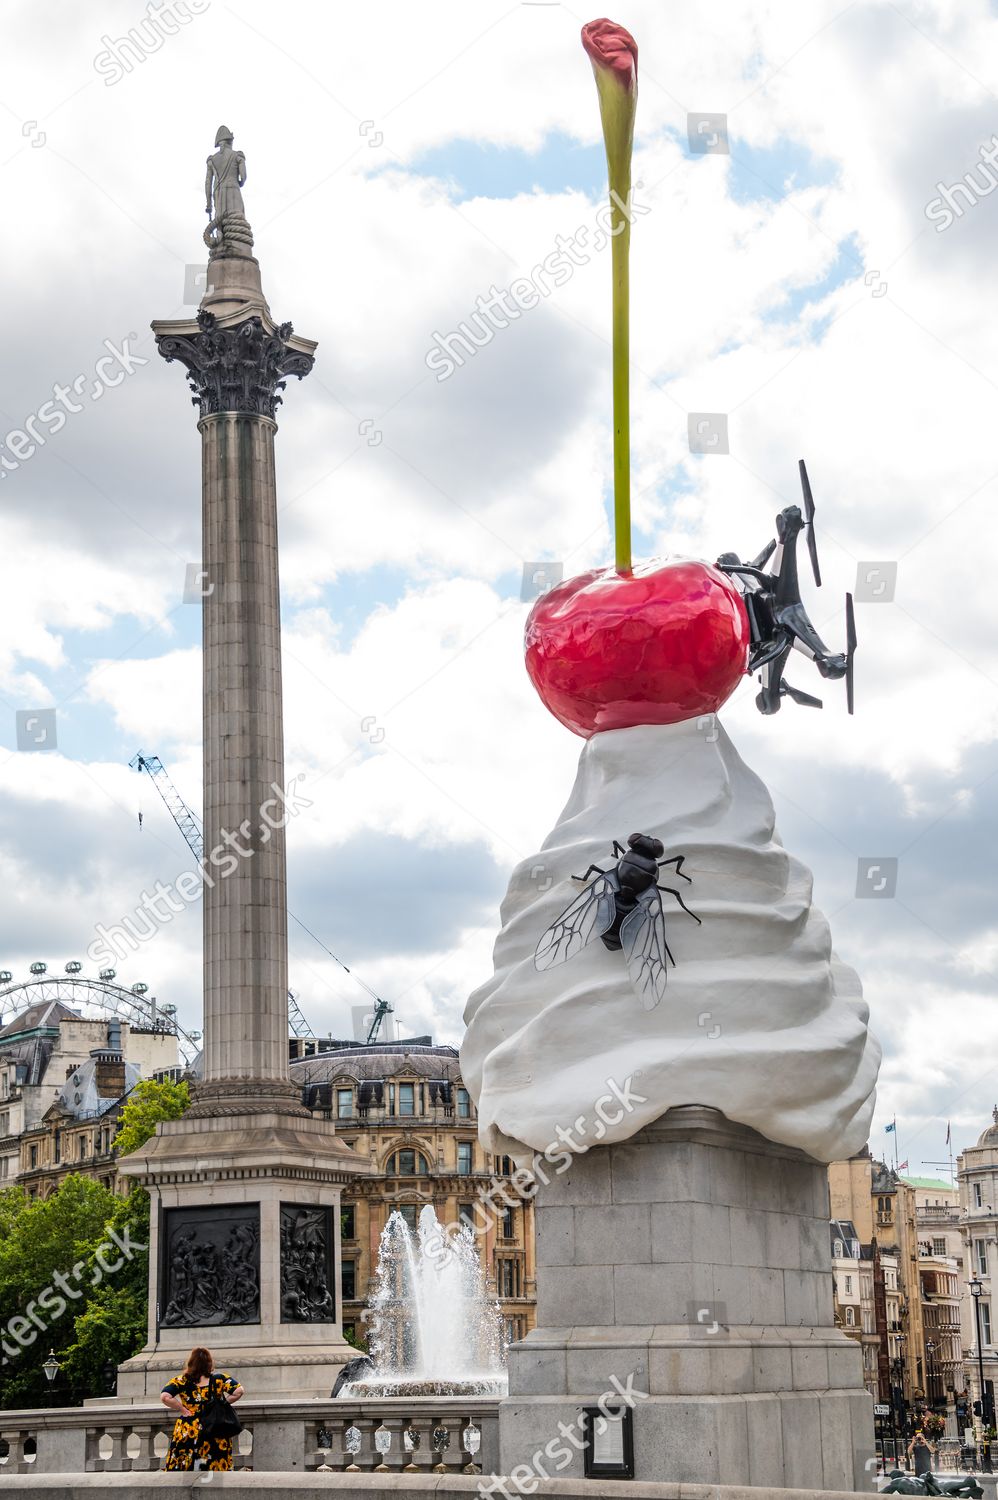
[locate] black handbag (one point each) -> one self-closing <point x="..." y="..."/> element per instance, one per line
<point x="217" y="1418"/>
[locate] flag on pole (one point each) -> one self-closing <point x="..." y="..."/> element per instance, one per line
<point x="890" y="1127"/>
<point x="903" y="1166"/>
<point x="948" y="1132"/>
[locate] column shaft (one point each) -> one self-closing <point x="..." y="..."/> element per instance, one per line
<point x="245" y="897"/>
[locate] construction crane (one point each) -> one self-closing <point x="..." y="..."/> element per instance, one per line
<point x="190" y="826"/>
<point x="381" y="1010"/>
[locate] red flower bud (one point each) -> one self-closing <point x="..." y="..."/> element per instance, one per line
<point x="613" y="48"/>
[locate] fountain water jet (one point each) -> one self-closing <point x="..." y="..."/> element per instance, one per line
<point x="434" y="1329"/>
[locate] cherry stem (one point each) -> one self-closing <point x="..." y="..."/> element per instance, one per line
<point x="617" y="109"/>
<point x="621" y="395"/>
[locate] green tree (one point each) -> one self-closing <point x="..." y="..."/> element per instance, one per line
<point x="112" y="1325"/>
<point x="148" y="1103"/>
<point x="74" y="1271"/>
<point x="46" y="1267"/>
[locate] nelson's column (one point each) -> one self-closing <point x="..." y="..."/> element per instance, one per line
<point x="246" y="1187"/>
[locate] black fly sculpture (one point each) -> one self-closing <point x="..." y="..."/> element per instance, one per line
<point x="623" y="907"/>
<point x="778" y="621"/>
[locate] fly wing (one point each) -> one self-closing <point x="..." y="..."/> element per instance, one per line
<point x="646" y="952"/>
<point x="589" y="916"/>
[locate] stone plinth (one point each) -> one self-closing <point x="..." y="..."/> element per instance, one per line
<point x="691" y="1263"/>
<point x="255" y="1164"/>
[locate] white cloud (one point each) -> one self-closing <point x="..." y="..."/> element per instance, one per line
<point x="888" y="397"/>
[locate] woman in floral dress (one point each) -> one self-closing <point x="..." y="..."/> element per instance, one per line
<point x="186" y="1393"/>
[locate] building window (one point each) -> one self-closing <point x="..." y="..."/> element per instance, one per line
<point x="466" y="1213"/>
<point x="848" y="1281"/>
<point x="344" y="1104"/>
<point x="82" y="1148"/>
<point x="509" y="1223"/>
<point x="5" y="1122"/>
<point x="850" y="1317"/>
<point x="509" y="1278"/>
<point x="465" y="1156"/>
<point x="347" y="1221"/>
<point x="4" y="1166"/>
<point x="57" y="1147"/>
<point x="981" y="1253"/>
<point x="34" y="1156"/>
<point x="408" y="1164"/>
<point x="407" y="1099"/>
<point x="504" y="1166"/>
<point x="986" y="1322"/>
<point x="410" y="1213"/>
<point x="978" y="1195"/>
<point x="348" y="1280"/>
<point x="463" y="1104"/>
<point x="938" y="1247"/>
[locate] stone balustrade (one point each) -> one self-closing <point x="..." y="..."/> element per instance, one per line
<point x="278" y="1436"/>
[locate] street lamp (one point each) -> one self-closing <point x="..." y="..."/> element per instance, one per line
<point x="51" y="1366"/>
<point x="976" y="1290"/>
<point x="899" y="1375"/>
<point x="930" y="1349"/>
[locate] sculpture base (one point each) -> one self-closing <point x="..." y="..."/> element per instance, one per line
<point x="290" y="1371"/>
<point x="244" y="1242"/>
<point x="698" y="1253"/>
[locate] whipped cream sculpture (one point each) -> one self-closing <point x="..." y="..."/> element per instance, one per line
<point x="745" y="1009"/>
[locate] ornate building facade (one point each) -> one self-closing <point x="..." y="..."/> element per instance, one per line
<point x="404" y="1106"/>
<point x="977" y="1175"/>
<point x="908" y="1281"/>
<point x="64" y="1078"/>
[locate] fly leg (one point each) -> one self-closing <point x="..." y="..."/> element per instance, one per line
<point x="678" y="860"/>
<point x="669" y="891"/>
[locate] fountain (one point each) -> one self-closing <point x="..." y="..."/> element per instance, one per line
<point x="434" y="1329"/>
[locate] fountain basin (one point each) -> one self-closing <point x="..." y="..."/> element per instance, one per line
<point x="395" y="1385"/>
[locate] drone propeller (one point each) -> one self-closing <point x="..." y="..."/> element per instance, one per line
<point x="764" y="555"/>
<point x="812" y="544"/>
<point x="850" y="652"/>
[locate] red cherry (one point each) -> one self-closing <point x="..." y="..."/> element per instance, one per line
<point x="609" y="650"/>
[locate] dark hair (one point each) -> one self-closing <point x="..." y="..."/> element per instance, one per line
<point x="199" y="1362"/>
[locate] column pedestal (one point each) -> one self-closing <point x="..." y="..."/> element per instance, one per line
<point x="691" y="1264"/>
<point x="245" y="1216"/>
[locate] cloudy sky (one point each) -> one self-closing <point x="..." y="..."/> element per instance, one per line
<point x="404" y="159"/>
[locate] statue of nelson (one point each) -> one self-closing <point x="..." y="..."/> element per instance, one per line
<point x="225" y="176"/>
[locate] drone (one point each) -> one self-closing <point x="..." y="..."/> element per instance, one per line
<point x="778" y="621"/>
<point x="622" y="906"/>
